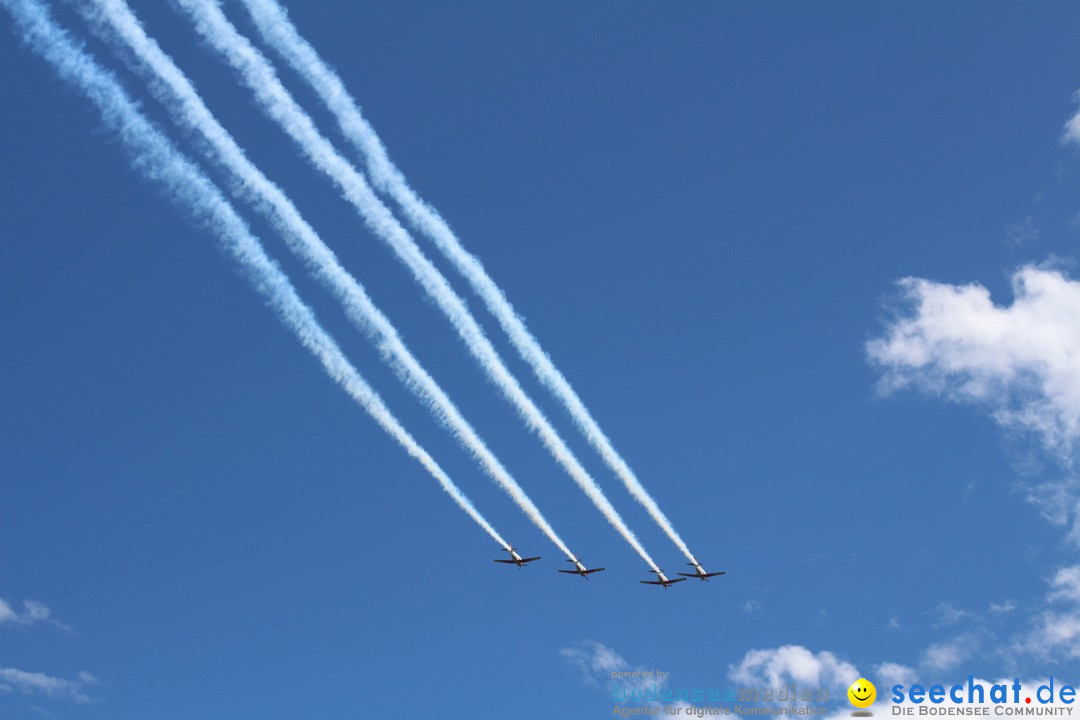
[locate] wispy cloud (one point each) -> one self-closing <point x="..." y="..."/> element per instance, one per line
<point x="1066" y="585"/>
<point x="751" y="606"/>
<point x="602" y="667"/>
<point x="1022" y="233"/>
<point x="599" y="664"/>
<point x="947" y="614"/>
<point x="34" y="612"/>
<point x="1002" y="608"/>
<point x="16" y="681"/>
<point x="1071" y="133"/>
<point x="949" y="654"/>
<point x="890" y="673"/>
<point x="1056" y="630"/>
<point x="29" y="683"/>
<point x="1044" y="635"/>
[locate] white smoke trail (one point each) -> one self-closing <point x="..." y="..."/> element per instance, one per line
<point x="258" y="75"/>
<point x="154" y="156"/>
<point x="279" y="33"/>
<point x="113" y="20"/>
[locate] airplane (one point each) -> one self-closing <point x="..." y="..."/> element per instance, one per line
<point x="516" y="559"/>
<point x="581" y="569"/>
<point x="662" y="580"/>
<point x="699" y="572"/>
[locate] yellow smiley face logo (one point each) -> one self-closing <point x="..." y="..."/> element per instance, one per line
<point x="862" y="693"/>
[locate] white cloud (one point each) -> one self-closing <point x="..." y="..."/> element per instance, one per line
<point x="1003" y="608"/>
<point x="889" y="673"/>
<point x="1057" y="629"/>
<point x="1072" y="127"/>
<point x="595" y="660"/>
<point x="34" y="612"/>
<point x="947" y="614"/>
<point x="1021" y="362"/>
<point x="42" y="712"/>
<point x="1057" y="632"/>
<point x="751" y="606"/>
<point x="1047" y="635"/>
<point x="1066" y="585"/>
<point x="600" y="665"/>
<point x="7" y="615"/>
<point x="14" y="680"/>
<point x="28" y="683"/>
<point x="759" y="669"/>
<point x="793" y="663"/>
<point x="949" y="654"/>
<point x="1022" y="232"/>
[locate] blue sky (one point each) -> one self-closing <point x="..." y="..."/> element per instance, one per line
<point x="703" y="213"/>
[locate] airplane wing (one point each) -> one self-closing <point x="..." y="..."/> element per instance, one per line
<point x="706" y="575"/>
<point x="650" y="582"/>
<point x="569" y="572"/>
<point x="525" y="560"/>
<point x="508" y="562"/>
<point x="672" y="582"/>
<point x="589" y="572"/>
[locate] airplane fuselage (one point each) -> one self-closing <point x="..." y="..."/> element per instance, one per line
<point x="580" y="569"/>
<point x="661" y="579"/>
<point x="516" y="559"/>
<point x="699" y="572"/>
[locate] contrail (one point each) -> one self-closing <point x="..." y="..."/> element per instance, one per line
<point x="279" y="33"/>
<point x="114" y="21"/>
<point x="154" y="156"/>
<point x="258" y="75"/>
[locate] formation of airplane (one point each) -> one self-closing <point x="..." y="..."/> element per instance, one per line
<point x="661" y="579"/>
<point x="699" y="572"/>
<point x="580" y="569"/>
<point x="516" y="559"/>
